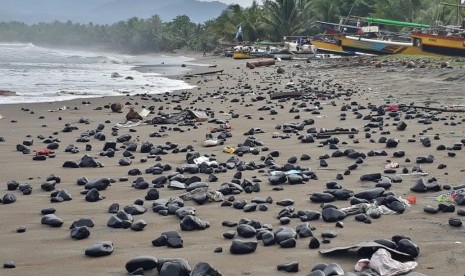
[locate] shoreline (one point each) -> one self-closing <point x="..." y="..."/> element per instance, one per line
<point x="337" y="92"/>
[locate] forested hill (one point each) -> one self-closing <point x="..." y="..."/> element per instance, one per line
<point x="144" y="28"/>
<point x="105" y="11"/>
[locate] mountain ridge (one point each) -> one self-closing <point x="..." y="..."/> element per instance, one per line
<point x="106" y="11"/>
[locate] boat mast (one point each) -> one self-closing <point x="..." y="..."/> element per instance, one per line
<point x="459" y="6"/>
<point x="458" y="12"/>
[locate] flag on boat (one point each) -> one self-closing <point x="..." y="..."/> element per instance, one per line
<point x="239" y="32"/>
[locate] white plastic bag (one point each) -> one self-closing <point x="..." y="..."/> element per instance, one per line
<point x="382" y="262"/>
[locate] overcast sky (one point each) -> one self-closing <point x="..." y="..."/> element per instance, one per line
<point x="244" y="3"/>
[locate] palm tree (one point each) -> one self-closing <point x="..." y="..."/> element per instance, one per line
<point x="402" y="10"/>
<point x="234" y="16"/>
<point x="327" y="11"/>
<point x="286" y="17"/>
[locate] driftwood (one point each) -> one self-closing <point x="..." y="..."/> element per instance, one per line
<point x="261" y="62"/>
<point x="7" y="93"/>
<point x="339" y="132"/>
<point x="283" y="95"/>
<point x="203" y="73"/>
<point x="442" y="109"/>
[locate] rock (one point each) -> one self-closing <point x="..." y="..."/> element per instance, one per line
<point x="144" y="262"/>
<point x="401" y="126"/>
<point x="99" y="184"/>
<point x="174" y="243"/>
<point x="289" y="243"/>
<point x="82" y="222"/>
<point x="80" y="233"/>
<point x="316" y="273"/>
<point x="175" y="266"/>
<point x="114" y="208"/>
<point x="289" y="267"/>
<point x="370" y="194"/>
<point x="47" y="211"/>
<point x="125" y="161"/>
<point x="332" y="215"/>
<point x="116" y="107"/>
<point x="285" y="202"/>
<point x="152" y="194"/>
<point x="21" y="229"/>
<point x="8" y="198"/>
<point x="370" y="177"/>
<point x="138" y="225"/>
<point x="303" y="230"/>
<point x="284" y="233"/>
<point x="89" y="162"/>
<point x="361" y="217"/>
<point x="460" y="199"/>
<point x="205" y="269"/>
<point x="420" y="186"/>
<point x="135" y="209"/>
<point x="246" y="231"/>
<point x="52" y="220"/>
<point x="455" y="222"/>
<point x="132" y="115"/>
<point x="185" y="211"/>
<point x="461" y="212"/>
<point x="314" y="243"/>
<point x="191" y="223"/>
<point x="321" y="197"/>
<point x="392" y="143"/>
<point x="9" y="264"/>
<point x="239" y="247"/>
<point x="12" y="185"/>
<point x="251" y="207"/>
<point x="431" y="210"/>
<point x="329" y="234"/>
<point x="333" y="269"/>
<point x="268" y="238"/>
<point x="408" y="247"/>
<point x="277" y="179"/>
<point x="295" y="179"/>
<point x="93" y="196"/>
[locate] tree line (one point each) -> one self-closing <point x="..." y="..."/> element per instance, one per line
<point x="268" y="20"/>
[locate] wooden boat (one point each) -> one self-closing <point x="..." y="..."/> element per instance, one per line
<point x="378" y="46"/>
<point x="440" y="44"/>
<point x="370" y="40"/>
<point x="443" y="40"/>
<point x="282" y="55"/>
<point x="329" y="45"/>
<point x="242" y="55"/>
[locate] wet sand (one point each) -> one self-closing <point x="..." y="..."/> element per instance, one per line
<point x="43" y="250"/>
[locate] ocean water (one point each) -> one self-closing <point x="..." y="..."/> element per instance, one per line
<point x="38" y="74"/>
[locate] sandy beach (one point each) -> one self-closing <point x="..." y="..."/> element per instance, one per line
<point x="339" y="94"/>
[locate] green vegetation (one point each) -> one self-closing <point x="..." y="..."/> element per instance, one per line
<point x="268" y="20"/>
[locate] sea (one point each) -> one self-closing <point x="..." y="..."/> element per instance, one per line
<point x="39" y="74"/>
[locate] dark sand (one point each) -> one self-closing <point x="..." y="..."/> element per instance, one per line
<point x="42" y="250"/>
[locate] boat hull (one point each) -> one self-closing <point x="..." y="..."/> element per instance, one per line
<point x="241" y="55"/>
<point x="441" y="45"/>
<point x="380" y="47"/>
<point x="329" y="47"/>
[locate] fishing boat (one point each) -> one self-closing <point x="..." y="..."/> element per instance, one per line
<point x="443" y="40"/>
<point x="282" y="54"/>
<point x="300" y="46"/>
<point x="328" y="45"/>
<point x="242" y="55"/>
<point x="249" y="52"/>
<point x="371" y="40"/>
<point x="378" y="46"/>
<point x="436" y="43"/>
